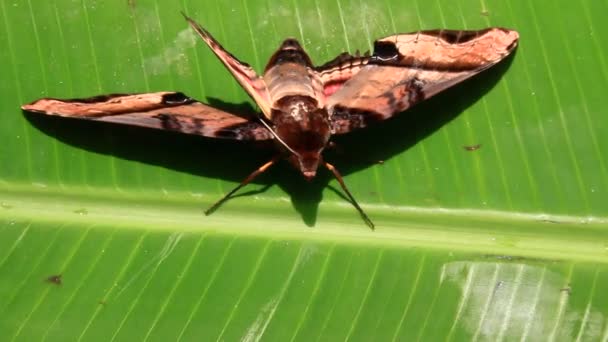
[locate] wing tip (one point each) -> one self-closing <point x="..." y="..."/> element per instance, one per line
<point x="29" y="107"/>
<point x="507" y="37"/>
<point x="36" y="106"/>
<point x="189" y="20"/>
<point x="198" y="28"/>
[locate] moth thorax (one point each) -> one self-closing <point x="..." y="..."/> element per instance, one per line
<point x="305" y="129"/>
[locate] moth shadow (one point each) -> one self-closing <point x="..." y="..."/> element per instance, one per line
<point x="234" y="160"/>
<point x="195" y="155"/>
<point x="243" y="109"/>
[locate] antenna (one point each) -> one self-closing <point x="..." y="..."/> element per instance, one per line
<point x="277" y="137"/>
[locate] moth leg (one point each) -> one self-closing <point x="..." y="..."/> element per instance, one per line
<point x="350" y="196"/>
<point x="246" y="181"/>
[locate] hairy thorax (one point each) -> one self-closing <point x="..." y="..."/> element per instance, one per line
<point x="304" y="128"/>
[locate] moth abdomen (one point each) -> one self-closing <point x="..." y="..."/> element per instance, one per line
<point x="290" y="51"/>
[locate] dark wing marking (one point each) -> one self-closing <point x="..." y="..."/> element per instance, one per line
<point x="247" y="77"/>
<point x="163" y="110"/>
<point x="408" y="68"/>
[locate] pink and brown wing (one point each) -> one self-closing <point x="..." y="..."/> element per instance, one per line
<point x="336" y="72"/>
<point x="163" y="110"/>
<point x="247" y="77"/>
<point x="408" y="68"/>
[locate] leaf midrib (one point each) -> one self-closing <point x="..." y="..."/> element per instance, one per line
<point x="491" y="233"/>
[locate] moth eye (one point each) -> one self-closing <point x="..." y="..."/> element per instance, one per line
<point x="385" y="51"/>
<point x="176" y="98"/>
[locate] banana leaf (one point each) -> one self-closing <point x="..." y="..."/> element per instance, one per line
<point x="489" y="199"/>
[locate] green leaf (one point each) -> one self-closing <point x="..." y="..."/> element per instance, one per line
<point x="102" y="232"/>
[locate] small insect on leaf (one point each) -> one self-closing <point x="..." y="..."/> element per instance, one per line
<point x="472" y="147"/>
<point x="55" y="279"/>
<point x="303" y="105"/>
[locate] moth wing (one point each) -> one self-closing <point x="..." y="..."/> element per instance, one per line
<point x="336" y="72"/>
<point x="408" y="68"/>
<point x="163" y="110"/>
<point x="253" y="84"/>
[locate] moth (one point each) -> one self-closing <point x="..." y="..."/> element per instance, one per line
<point x="303" y="105"/>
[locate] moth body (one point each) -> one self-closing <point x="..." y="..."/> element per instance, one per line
<point x="298" y="115"/>
<point x="304" y="128"/>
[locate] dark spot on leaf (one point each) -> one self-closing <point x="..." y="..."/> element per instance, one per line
<point x="55" y="279"/>
<point x="472" y="147"/>
<point x="81" y="211"/>
<point x="551" y="221"/>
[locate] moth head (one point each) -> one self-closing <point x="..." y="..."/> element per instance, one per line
<point x="306" y="148"/>
<point x="307" y="162"/>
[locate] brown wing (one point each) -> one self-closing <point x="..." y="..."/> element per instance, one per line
<point x="408" y="68"/>
<point x="247" y="77"/>
<point x="162" y="110"/>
